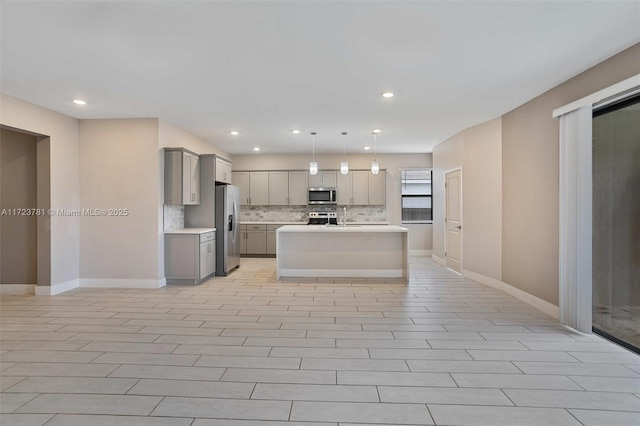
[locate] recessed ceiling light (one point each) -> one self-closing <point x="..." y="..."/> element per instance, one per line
<point x="79" y="102"/>
<point x="234" y="133"/>
<point x="387" y="94"/>
<point x="366" y="148"/>
<point x="376" y="131"/>
<point x="256" y="148"/>
<point x="295" y="131"/>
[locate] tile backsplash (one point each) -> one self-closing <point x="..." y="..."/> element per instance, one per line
<point x="174" y="214"/>
<point x="301" y="213"/>
<point x="173" y="217"/>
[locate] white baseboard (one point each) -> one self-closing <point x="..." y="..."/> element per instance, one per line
<point x="420" y="252"/>
<point x="438" y="260"/>
<point x="17" y="288"/>
<point x="42" y="290"/>
<point x="341" y="273"/>
<point x="94" y="283"/>
<point x="122" y="283"/>
<point x="542" y="305"/>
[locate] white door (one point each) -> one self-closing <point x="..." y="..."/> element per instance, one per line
<point x="453" y="220"/>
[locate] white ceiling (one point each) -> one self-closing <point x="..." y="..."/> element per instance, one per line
<point x="263" y="68"/>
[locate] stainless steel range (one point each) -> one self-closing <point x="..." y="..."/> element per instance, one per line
<point x="323" y="218"/>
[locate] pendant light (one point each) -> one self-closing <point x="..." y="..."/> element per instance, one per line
<point x="313" y="165"/>
<point x="344" y="166"/>
<point x="375" y="167"/>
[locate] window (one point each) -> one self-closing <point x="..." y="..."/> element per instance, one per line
<point x="416" y="196"/>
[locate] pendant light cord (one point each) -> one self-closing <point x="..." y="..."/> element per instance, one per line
<point x="344" y="145"/>
<point x="375" y="147"/>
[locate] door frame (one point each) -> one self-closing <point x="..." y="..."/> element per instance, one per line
<point x="455" y="169"/>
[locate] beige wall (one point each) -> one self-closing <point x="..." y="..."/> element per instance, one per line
<point x="446" y="156"/>
<point x="482" y="217"/>
<point x="18" y="190"/>
<point x="530" y="231"/>
<point x="64" y="179"/>
<point x="420" y="234"/>
<point x="119" y="169"/>
<point x="478" y="151"/>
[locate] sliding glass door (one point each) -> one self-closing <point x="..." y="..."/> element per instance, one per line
<point x="616" y="222"/>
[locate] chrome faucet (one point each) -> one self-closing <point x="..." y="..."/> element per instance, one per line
<point x="344" y="216"/>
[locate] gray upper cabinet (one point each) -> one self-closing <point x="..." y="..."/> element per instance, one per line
<point x="259" y="188"/>
<point x="360" y="187"/>
<point x="181" y="177"/>
<point x="378" y="189"/>
<point x="290" y="188"/>
<point x="323" y="179"/>
<point x="345" y="194"/>
<point x="241" y="180"/>
<point x="298" y="188"/>
<point x="223" y="170"/>
<point x="254" y="187"/>
<point x="278" y="188"/>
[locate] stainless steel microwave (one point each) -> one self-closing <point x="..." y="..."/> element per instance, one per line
<point x="323" y="196"/>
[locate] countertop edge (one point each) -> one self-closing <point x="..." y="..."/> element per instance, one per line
<point x="342" y="229"/>
<point x="191" y="231"/>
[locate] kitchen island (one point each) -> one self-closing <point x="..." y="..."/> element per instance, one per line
<point x="371" y="251"/>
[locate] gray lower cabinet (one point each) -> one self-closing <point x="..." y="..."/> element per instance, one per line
<point x="271" y="238"/>
<point x="189" y="258"/>
<point x="243" y="239"/>
<point x="258" y="239"/>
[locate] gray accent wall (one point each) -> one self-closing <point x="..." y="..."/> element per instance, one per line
<point x="18" y="190"/>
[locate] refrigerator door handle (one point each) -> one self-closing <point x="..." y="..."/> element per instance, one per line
<point x="234" y="217"/>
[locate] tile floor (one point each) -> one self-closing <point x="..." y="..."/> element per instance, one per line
<point x="249" y="350"/>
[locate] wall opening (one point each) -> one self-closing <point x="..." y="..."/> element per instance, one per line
<point x="24" y="201"/>
<point x="616" y="222"/>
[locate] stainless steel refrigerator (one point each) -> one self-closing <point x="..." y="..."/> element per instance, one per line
<point x="227" y="206"/>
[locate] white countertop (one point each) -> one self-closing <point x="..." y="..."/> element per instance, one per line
<point x="305" y="223"/>
<point x="192" y="231"/>
<point x="343" y="229"/>
<point x="273" y="223"/>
